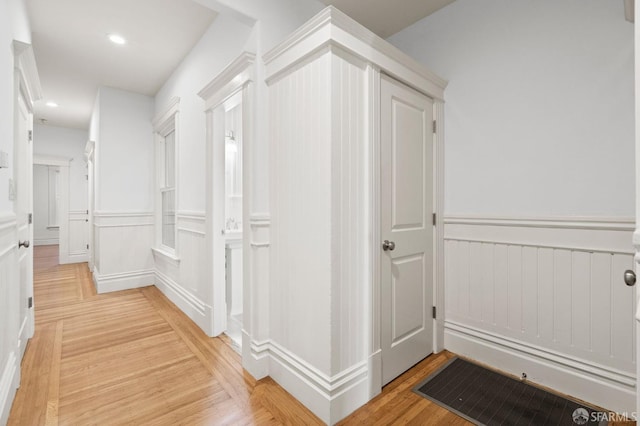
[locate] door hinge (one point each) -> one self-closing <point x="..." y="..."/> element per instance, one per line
<point x="30" y="302"/>
<point x="30" y="135"/>
<point x="30" y="218"/>
<point x="434" y="126"/>
<point x="434" y="219"/>
<point x="87" y="246"/>
<point x="434" y="312"/>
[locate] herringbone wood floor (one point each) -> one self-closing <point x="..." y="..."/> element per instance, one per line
<point x="132" y="357"/>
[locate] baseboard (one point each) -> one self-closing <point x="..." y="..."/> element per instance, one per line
<point x="612" y="390"/>
<point x="46" y="242"/>
<point x="330" y="398"/>
<point x="123" y="281"/>
<point x="194" y="308"/>
<point x="255" y="357"/>
<point x="8" y="385"/>
<point x="76" y="258"/>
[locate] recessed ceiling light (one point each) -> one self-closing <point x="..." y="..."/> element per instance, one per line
<point x="52" y="104"/>
<point x="117" y="39"/>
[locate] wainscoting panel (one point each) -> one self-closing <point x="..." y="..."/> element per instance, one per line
<point x="9" y="302"/>
<point x="123" y="255"/>
<point x="78" y="236"/>
<point x="550" y="290"/>
<point x="183" y="278"/>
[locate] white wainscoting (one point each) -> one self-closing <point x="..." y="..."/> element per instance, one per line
<point x="545" y="297"/>
<point x="123" y="255"/>
<point x="78" y="238"/>
<point x="183" y="278"/>
<point x="9" y="314"/>
<point x="320" y="225"/>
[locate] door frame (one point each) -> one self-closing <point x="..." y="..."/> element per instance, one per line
<point x="374" y="78"/>
<point x="63" y="208"/>
<point x="237" y="77"/>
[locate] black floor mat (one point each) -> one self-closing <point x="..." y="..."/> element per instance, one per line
<point x="485" y="397"/>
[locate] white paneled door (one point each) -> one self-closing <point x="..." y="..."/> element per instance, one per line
<point x="23" y="206"/>
<point x="406" y="199"/>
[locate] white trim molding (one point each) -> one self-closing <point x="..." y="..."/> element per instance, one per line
<point x="575" y="222"/>
<point x="106" y="283"/>
<point x="545" y="297"/>
<point x="25" y="63"/>
<point x="328" y="396"/>
<point x="231" y="78"/>
<point x="189" y="303"/>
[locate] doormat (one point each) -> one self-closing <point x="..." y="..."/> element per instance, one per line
<point x="485" y="397"/>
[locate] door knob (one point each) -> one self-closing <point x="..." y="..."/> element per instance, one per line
<point x="629" y="277"/>
<point x="388" y="245"/>
<point x="24" y="244"/>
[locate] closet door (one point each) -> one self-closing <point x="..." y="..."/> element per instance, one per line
<point x="406" y="208"/>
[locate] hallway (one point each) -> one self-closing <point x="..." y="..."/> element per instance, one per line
<point x="132" y="357"/>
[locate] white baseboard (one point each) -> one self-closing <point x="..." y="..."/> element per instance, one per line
<point x="123" y="281"/>
<point x="75" y="258"/>
<point x="46" y="242"/>
<point x="8" y="385"/>
<point x="255" y="357"/>
<point x="329" y="398"/>
<point x="194" y="308"/>
<point x="604" y="387"/>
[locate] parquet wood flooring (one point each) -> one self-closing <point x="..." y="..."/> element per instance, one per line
<point x="132" y="357"/>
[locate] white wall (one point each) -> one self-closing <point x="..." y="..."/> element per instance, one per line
<point x="277" y="18"/>
<point x="220" y="45"/>
<point x="539" y="108"/>
<point x="61" y="142"/>
<point x="124" y="162"/>
<point x="125" y="151"/>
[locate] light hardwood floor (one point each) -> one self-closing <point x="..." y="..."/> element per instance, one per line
<point x="132" y="357"/>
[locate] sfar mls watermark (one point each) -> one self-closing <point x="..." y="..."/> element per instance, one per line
<point x="582" y="416"/>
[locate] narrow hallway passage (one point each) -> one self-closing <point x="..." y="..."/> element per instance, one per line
<point x="132" y="357"/>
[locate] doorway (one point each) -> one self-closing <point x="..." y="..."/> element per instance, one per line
<point x="46" y="203"/>
<point x="51" y="204"/>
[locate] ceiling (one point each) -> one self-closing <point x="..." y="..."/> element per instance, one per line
<point x="75" y="57"/>
<point x="387" y="17"/>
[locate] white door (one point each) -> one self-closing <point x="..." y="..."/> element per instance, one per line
<point x="406" y="208"/>
<point x="23" y="203"/>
